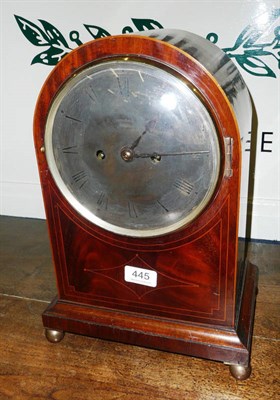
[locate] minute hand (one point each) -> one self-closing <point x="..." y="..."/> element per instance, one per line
<point x="176" y="153"/>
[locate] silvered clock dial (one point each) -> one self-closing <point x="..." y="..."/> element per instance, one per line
<point x="132" y="147"/>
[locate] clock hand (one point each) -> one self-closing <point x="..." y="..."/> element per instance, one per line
<point x="150" y="125"/>
<point x="157" y="156"/>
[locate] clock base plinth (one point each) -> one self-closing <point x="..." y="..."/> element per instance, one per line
<point x="231" y="346"/>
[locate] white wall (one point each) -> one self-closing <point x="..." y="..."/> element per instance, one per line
<point x="21" y="82"/>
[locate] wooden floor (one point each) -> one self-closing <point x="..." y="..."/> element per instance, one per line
<point x="81" y="368"/>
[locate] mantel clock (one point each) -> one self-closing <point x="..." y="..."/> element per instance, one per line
<point x="138" y="141"/>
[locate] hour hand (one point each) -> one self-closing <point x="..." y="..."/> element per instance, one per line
<point x="150" y="125"/>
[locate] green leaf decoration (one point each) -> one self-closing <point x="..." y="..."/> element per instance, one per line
<point x="55" y="36"/>
<point x="51" y="56"/>
<point x="255" y="66"/>
<point x="50" y="36"/>
<point x="249" y="48"/>
<point x="96" y="31"/>
<point x="32" y="32"/>
<point x="252" y="33"/>
<point x="146" y="24"/>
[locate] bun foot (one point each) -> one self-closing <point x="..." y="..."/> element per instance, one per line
<point x="240" y="372"/>
<point x="54" y="336"/>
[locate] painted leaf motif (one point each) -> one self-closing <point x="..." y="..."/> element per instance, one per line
<point x="255" y="66"/>
<point x="54" y="34"/>
<point x="252" y="33"/>
<point x="32" y="32"/>
<point x="146" y="24"/>
<point x="51" y="56"/>
<point x="248" y="34"/>
<point x="96" y="31"/>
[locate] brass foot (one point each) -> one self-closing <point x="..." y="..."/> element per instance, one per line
<point x="54" y="336"/>
<point x="240" y="372"/>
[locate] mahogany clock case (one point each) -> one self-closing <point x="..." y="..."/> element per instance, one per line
<point x="203" y="303"/>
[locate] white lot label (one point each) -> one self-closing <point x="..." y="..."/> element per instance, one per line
<point x="140" y="276"/>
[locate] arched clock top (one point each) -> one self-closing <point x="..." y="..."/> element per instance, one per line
<point x="109" y="94"/>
